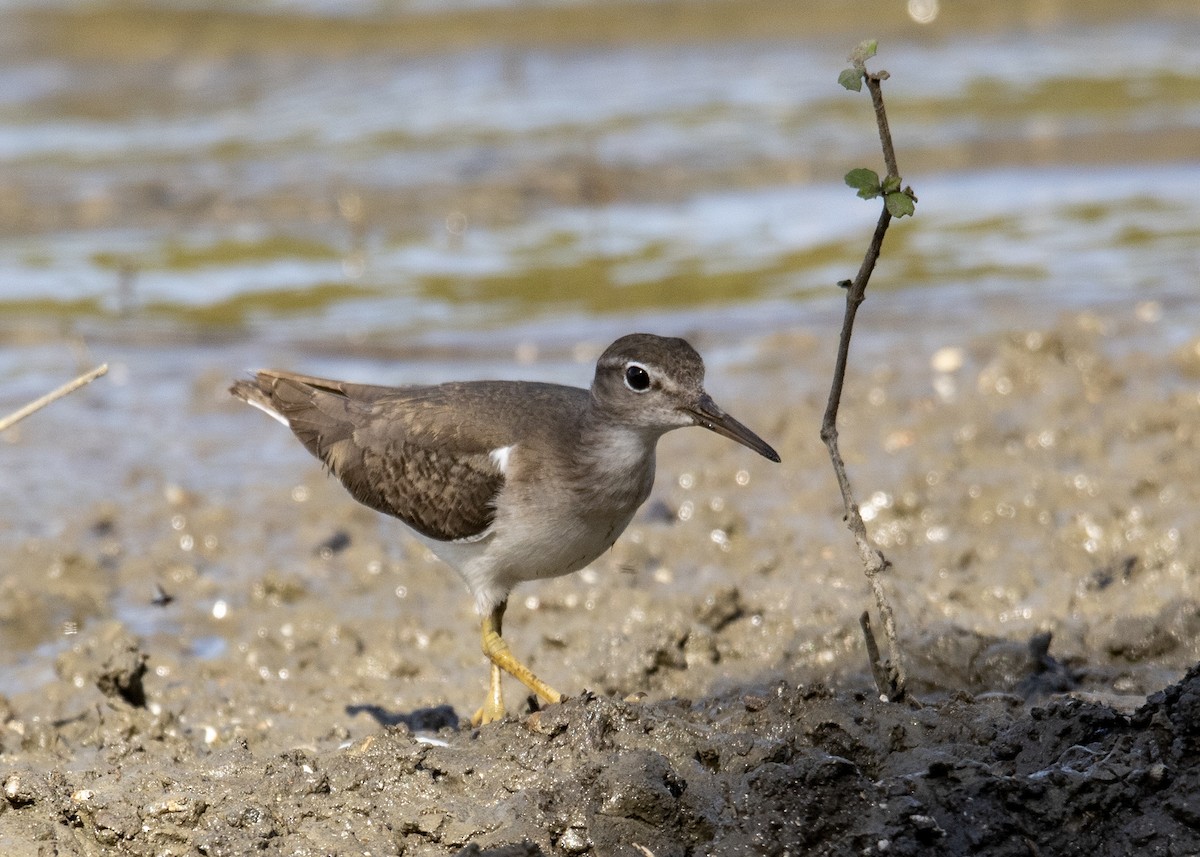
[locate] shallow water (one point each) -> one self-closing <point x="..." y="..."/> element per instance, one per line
<point x="219" y="170"/>
<point x="498" y="190"/>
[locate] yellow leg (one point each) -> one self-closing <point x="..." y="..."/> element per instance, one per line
<point x="493" y="708"/>
<point x="502" y="658"/>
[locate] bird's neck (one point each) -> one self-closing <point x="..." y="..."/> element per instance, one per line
<point x="617" y="460"/>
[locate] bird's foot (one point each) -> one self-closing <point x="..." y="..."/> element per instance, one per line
<point x="493" y="707"/>
<point x="486" y="714"/>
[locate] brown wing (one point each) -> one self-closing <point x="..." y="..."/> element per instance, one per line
<point x="400" y="451"/>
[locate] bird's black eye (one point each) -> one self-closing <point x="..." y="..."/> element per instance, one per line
<point x="637" y="378"/>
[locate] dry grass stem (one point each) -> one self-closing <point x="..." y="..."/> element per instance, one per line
<point x="53" y="396"/>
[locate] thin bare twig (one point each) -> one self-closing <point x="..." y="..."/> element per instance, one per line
<point x="891" y="677"/>
<point x="66" y="389"/>
<point x="882" y="679"/>
<point x="885" y="133"/>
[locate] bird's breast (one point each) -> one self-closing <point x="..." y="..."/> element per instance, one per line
<point x="555" y="516"/>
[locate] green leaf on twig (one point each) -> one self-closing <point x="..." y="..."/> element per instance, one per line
<point x="900" y="204"/>
<point x="852" y="78"/>
<point x="865" y="181"/>
<point x="865" y="50"/>
<point x="891" y="184"/>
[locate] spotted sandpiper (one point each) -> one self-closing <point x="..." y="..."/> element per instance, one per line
<point x="505" y="481"/>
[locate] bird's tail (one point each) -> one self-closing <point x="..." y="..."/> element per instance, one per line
<point x="318" y="411"/>
<point x="255" y="394"/>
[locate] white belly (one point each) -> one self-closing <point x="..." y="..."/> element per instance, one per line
<point x="493" y="564"/>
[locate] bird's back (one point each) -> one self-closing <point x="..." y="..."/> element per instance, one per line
<point x="427" y="455"/>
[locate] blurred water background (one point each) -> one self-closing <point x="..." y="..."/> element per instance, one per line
<point x="408" y="191"/>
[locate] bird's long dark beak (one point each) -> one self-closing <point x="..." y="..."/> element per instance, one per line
<point x="707" y="414"/>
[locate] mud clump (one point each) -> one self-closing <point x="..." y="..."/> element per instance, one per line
<point x="112" y="660"/>
<point x="780" y="770"/>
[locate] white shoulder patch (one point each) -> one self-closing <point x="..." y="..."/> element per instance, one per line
<point x="500" y="456"/>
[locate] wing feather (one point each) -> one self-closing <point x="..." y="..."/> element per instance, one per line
<point x="397" y="450"/>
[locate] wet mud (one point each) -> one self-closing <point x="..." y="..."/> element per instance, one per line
<point x="286" y="673"/>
